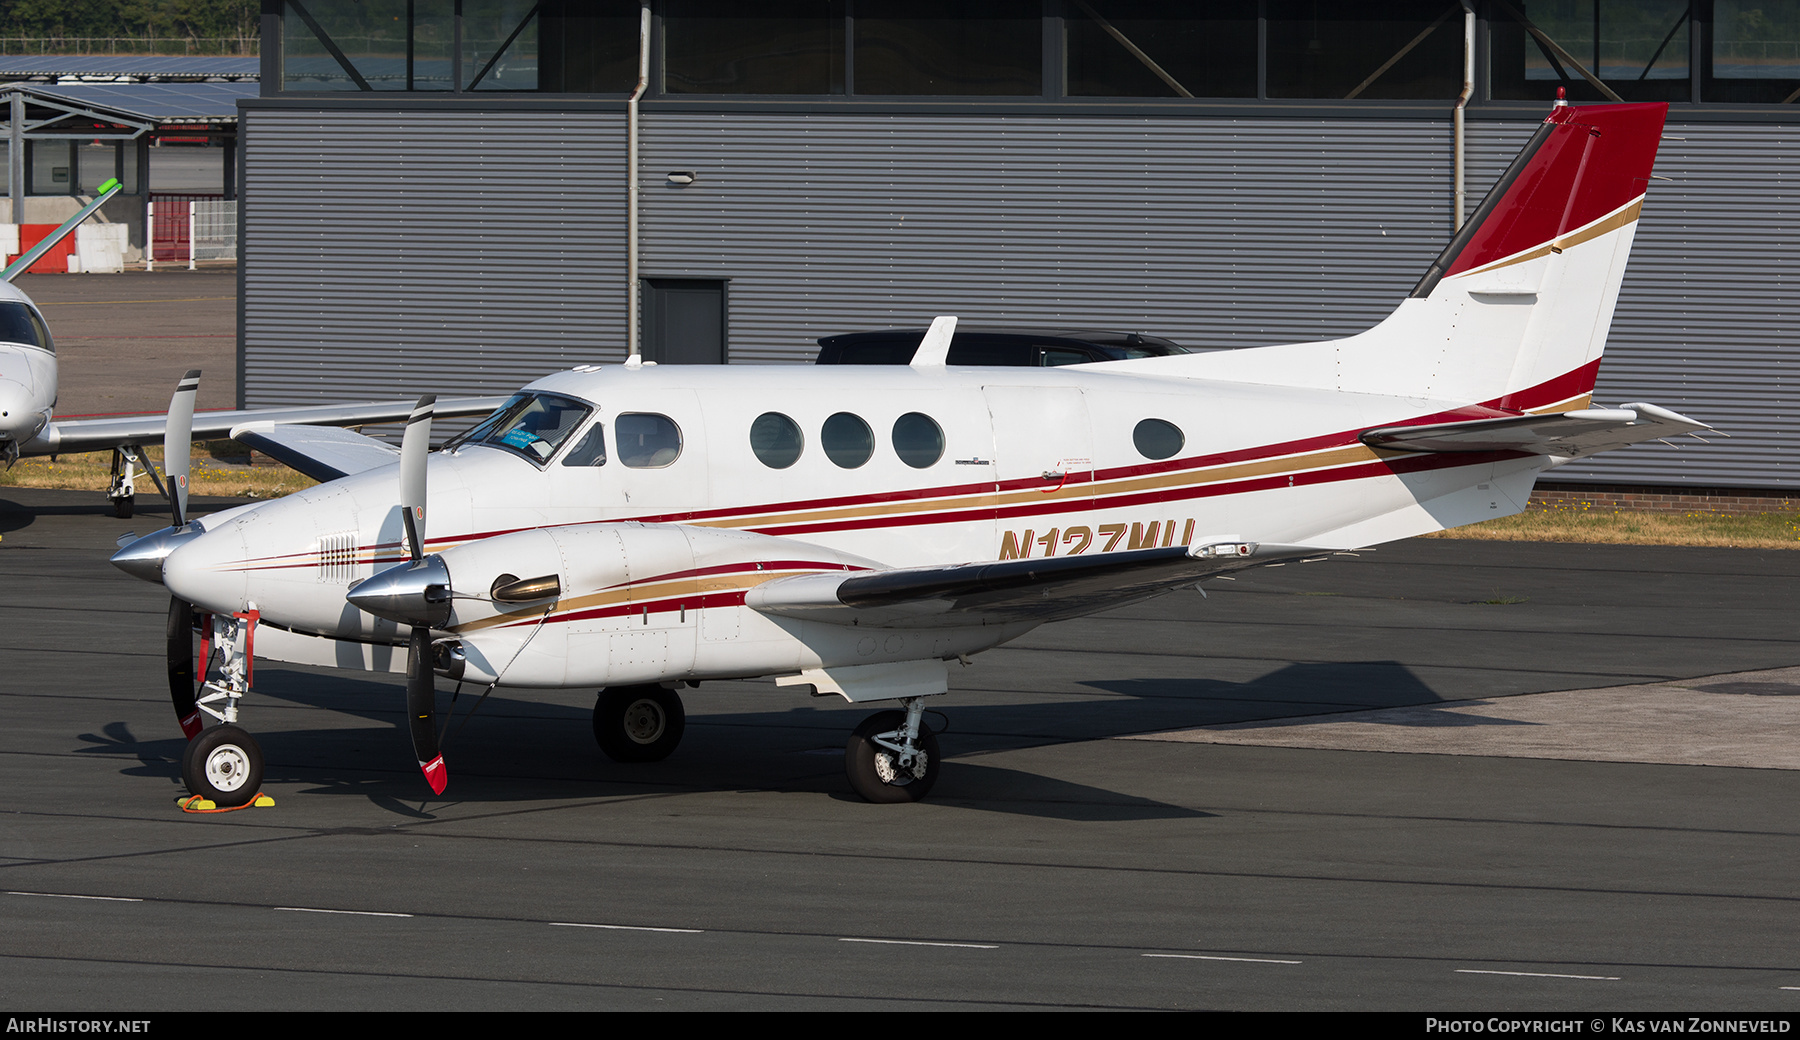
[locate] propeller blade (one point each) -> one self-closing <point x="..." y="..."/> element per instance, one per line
<point x="415" y="446"/>
<point x="421" y="710"/>
<point x="181" y="666"/>
<point x="178" y="440"/>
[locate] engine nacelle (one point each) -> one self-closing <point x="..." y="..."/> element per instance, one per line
<point x="608" y="604"/>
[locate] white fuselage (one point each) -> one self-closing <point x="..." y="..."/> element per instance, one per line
<point x="1034" y="463"/>
<point x="27" y="376"/>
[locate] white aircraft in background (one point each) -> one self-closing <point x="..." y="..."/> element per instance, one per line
<point x="28" y="392"/>
<point x="854" y="529"/>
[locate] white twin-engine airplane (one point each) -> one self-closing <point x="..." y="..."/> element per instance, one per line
<point x="855" y="529"/>
<point x="28" y="384"/>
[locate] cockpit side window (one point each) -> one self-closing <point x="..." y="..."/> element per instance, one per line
<point x="532" y="425"/>
<point x="20" y="324"/>
<point x="590" y="450"/>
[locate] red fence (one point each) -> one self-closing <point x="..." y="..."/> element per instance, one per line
<point x="169" y="224"/>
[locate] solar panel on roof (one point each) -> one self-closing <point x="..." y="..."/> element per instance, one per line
<point x="138" y="66"/>
<point x="161" y="102"/>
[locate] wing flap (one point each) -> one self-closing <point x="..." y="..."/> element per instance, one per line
<point x="1011" y="590"/>
<point x="1565" y="434"/>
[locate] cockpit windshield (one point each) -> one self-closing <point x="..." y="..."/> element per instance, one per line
<point x="532" y="425"/>
<point x="20" y="324"/>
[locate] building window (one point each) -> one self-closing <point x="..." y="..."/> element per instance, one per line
<point x="561" y="46"/>
<point x="1373" y="49"/>
<point x="1724" y="51"/>
<point x="1159" y="48"/>
<point x="1755" y="53"/>
<point x="743" y="47"/>
<point x="1638" y="48"/>
<point x="949" y="48"/>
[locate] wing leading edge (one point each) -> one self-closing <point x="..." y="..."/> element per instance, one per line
<point x="1011" y="590"/>
<point x="67" y="438"/>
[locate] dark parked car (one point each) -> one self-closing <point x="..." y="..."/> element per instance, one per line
<point x="996" y="346"/>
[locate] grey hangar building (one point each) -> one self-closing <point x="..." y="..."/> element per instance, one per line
<point x="437" y="195"/>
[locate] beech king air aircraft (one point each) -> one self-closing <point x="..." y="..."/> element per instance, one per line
<point x="854" y="529"/>
<point x="28" y="381"/>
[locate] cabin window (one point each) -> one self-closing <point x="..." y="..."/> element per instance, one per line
<point x="847" y="440"/>
<point x="590" y="450"/>
<point x="776" y="440"/>
<point x="918" y="440"/>
<point x="647" y="440"/>
<point x="1156" y="439"/>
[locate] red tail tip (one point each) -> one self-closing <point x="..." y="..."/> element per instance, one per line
<point x="436" y="774"/>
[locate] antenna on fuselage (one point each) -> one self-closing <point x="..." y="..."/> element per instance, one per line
<point x="934" y="349"/>
<point x="30" y="256"/>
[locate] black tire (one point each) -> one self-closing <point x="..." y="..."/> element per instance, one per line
<point x="224" y="765"/>
<point x="122" y="507"/>
<point x="870" y="767"/>
<point x="638" y="723"/>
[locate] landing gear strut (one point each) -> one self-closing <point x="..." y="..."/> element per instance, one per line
<point x="222" y="764"/>
<point x="892" y="756"/>
<point x="638" y="723"/>
<point x="119" y="491"/>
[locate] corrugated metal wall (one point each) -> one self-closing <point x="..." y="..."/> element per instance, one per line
<point x="391" y="252"/>
<point x="1211" y="232"/>
<point x="396" y="253"/>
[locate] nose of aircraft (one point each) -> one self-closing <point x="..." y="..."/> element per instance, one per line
<point x="18" y="421"/>
<point x="208" y="569"/>
<point x="144" y="557"/>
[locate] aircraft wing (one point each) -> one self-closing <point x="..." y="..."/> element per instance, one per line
<point x="1011" y="590"/>
<point x="66" y="438"/>
<point x="321" y="452"/>
<point x="1567" y="434"/>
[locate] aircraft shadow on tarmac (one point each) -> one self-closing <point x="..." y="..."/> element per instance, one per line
<point x="517" y="749"/>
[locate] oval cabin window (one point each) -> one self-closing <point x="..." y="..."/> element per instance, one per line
<point x="847" y="440"/>
<point x="1156" y="439"/>
<point x="645" y="440"/>
<point x="776" y="440"/>
<point x="918" y="440"/>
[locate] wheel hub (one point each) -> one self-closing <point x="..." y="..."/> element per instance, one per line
<point x="227" y="767"/>
<point x="644" y="721"/>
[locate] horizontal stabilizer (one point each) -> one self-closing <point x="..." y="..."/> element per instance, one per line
<point x="1565" y="434"/>
<point x="1011" y="590"/>
<point x="67" y="438"/>
<point x="321" y="452"/>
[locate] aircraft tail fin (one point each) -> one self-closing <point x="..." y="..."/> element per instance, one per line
<point x="1514" y="313"/>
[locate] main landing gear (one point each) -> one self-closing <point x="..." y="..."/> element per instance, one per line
<point x="892" y="756"/>
<point x="638" y="723"/>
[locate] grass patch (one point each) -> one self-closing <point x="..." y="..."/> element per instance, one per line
<point x="216" y="468"/>
<point x="1581" y="523"/>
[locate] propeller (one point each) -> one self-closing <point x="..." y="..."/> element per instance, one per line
<point x="177" y="446"/>
<point x="422" y="690"/>
<point x="178" y="442"/>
